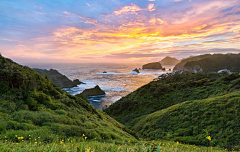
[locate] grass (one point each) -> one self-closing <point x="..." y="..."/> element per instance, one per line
<point x="170" y="90"/>
<point x="192" y="121"/>
<point x="32" y="104"/>
<point x="74" y="145"/>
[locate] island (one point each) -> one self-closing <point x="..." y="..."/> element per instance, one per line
<point x="153" y="65"/>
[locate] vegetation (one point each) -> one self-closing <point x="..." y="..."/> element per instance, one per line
<point x="200" y="109"/>
<point x="181" y="114"/>
<point x="107" y="146"/>
<point x="216" y="63"/>
<point x="209" y="122"/>
<point x="213" y="63"/>
<point x="32" y="105"/>
<point x="170" y="90"/>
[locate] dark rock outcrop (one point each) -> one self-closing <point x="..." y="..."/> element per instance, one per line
<point x="153" y="65"/>
<point x="92" y="92"/>
<point x="104" y="72"/>
<point x="59" y="79"/>
<point x="169" y="61"/>
<point x="136" y="70"/>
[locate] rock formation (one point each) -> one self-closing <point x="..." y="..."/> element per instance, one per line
<point x="92" y="92"/>
<point x="136" y="70"/>
<point x="59" y="79"/>
<point x="153" y="65"/>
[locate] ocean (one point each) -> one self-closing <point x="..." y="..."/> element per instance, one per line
<point x="119" y="80"/>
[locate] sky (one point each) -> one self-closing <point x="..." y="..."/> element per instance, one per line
<point x="117" y="30"/>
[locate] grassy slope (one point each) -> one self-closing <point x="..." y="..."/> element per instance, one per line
<point x="215" y="63"/>
<point x="221" y="61"/>
<point x="168" y="91"/>
<point x="32" y="105"/>
<point x="111" y="146"/>
<point x="192" y="121"/>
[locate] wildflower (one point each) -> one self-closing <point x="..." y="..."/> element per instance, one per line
<point x="35" y="142"/>
<point x="15" y="135"/>
<point x="83" y="135"/>
<point x="177" y="142"/>
<point x="88" y="150"/>
<point x="209" y="137"/>
<point x="85" y="138"/>
<point x="61" y="142"/>
<point x="16" y="143"/>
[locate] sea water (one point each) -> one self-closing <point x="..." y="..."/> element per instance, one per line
<point x="119" y="80"/>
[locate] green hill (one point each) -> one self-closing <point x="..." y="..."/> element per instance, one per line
<point x="215" y="63"/>
<point x="192" y="121"/>
<point x="170" y="90"/>
<point x="32" y="105"/>
<point x="185" y="108"/>
<point x="181" y="64"/>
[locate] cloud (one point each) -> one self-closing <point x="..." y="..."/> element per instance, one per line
<point x="151" y="7"/>
<point x="128" y="9"/>
<point x="128" y="31"/>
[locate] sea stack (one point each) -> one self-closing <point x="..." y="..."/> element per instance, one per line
<point x="153" y="65"/>
<point x="96" y="91"/>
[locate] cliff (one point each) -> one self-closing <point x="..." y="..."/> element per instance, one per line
<point x="181" y="64"/>
<point x="214" y="63"/>
<point x="59" y="79"/>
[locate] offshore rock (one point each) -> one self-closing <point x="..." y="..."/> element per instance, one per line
<point x="136" y="70"/>
<point x="153" y="65"/>
<point x="96" y="91"/>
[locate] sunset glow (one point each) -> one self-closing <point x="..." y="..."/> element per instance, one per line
<point x="117" y="31"/>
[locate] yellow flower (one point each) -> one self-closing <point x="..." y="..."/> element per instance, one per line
<point x="83" y="135"/>
<point x="35" y="142"/>
<point x="177" y="142"/>
<point x="61" y="142"/>
<point x="85" y="138"/>
<point x="88" y="150"/>
<point x="209" y="137"/>
<point x="15" y="135"/>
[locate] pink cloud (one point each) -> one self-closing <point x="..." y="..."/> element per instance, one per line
<point x="128" y="9"/>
